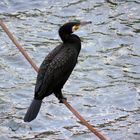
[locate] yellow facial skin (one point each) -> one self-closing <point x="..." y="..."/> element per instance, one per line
<point x="75" y="27"/>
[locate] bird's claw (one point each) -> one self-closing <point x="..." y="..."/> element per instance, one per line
<point x="61" y="100"/>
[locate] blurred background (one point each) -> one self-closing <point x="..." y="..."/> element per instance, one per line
<point x="105" y="85"/>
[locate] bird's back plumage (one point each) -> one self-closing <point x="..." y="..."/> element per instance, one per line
<point x="55" y="70"/>
<point x="53" y="73"/>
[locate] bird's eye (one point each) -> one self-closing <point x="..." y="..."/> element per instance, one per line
<point x="75" y="27"/>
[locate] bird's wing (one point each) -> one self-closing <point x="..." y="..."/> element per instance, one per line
<point x="44" y="66"/>
<point x="61" y="65"/>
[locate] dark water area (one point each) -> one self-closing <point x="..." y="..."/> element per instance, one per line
<point x="105" y="85"/>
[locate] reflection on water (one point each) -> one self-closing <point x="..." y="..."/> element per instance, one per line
<point x="105" y="85"/>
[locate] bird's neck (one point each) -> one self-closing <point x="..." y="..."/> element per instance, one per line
<point x="69" y="38"/>
<point x="72" y="39"/>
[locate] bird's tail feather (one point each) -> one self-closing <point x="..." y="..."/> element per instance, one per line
<point x="32" y="110"/>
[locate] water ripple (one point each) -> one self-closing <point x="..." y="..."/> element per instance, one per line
<point x="104" y="86"/>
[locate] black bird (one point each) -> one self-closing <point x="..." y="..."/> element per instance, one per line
<point x="56" y="68"/>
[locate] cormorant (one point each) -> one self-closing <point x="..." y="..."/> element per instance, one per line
<point x="56" y="68"/>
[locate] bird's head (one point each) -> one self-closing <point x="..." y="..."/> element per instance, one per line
<point x="71" y="27"/>
<point x="68" y="28"/>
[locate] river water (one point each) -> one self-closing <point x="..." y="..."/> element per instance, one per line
<point x="105" y="85"/>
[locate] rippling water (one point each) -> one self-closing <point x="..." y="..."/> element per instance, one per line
<point x="105" y="85"/>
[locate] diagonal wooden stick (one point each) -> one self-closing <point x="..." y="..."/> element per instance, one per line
<point x="90" y="127"/>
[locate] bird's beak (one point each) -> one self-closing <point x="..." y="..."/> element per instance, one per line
<point x="85" y="23"/>
<point x="75" y="27"/>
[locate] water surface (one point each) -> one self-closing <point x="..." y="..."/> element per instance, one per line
<point x="105" y="85"/>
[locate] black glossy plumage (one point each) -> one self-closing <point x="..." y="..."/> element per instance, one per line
<point x="55" y="69"/>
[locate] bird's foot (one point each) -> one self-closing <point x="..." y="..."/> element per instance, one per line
<point x="61" y="99"/>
